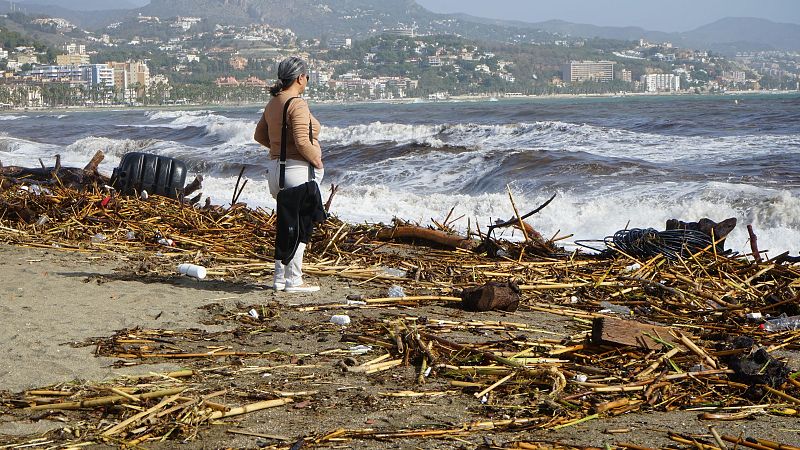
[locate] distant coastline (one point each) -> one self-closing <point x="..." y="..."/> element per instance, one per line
<point x="452" y="99"/>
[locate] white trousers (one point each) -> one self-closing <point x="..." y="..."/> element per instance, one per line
<point x="297" y="173"/>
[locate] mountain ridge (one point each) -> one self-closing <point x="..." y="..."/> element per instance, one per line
<point x="309" y="18"/>
<point x="82" y="5"/>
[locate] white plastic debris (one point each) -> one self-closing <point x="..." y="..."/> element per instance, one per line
<point x="360" y="349"/>
<point x="166" y="242"/>
<point x="341" y="319"/>
<point x="130" y="235"/>
<point x="144" y="195"/>
<point x="193" y="270"/>
<point x="428" y="371"/>
<point x="356" y="303"/>
<point x="253" y="313"/>
<point x="754" y="316"/>
<point x="396" y="291"/>
<point x="633" y="267"/>
<point x="581" y="378"/>
<point x="573" y="299"/>
<point x="43" y="219"/>
<point x="99" y="238"/>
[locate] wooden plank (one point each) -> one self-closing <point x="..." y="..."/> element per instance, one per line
<point x="608" y="330"/>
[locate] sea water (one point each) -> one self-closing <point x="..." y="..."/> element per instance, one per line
<point x="612" y="162"/>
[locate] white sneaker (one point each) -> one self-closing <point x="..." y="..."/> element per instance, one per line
<point x="302" y="288"/>
<point x="278" y="286"/>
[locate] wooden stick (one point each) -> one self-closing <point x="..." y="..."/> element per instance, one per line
<point x="697" y="350"/>
<point x="260" y="435"/>
<point x="746" y="443"/>
<point x="718" y="438"/>
<point x="126" y="395"/>
<point x="654" y="366"/>
<point x="495" y="385"/>
<point x="782" y="395"/>
<point x="516" y="213"/>
<point x="250" y="408"/>
<point x="754" y="243"/>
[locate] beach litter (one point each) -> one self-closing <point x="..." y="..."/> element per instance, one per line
<point x="682" y="350"/>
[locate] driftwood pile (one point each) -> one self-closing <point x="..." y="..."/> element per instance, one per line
<point x="652" y="335"/>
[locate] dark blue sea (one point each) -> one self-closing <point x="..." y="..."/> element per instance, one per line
<point x="613" y="161"/>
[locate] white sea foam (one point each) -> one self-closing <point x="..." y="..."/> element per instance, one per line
<point x="560" y="136"/>
<point x="229" y="130"/>
<point x="775" y="214"/>
<point x="175" y="114"/>
<point x="4" y="117"/>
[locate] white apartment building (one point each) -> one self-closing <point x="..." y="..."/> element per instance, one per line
<point x="3" y="54"/>
<point x="87" y="74"/>
<point x="736" y="76"/>
<point x="74" y="49"/>
<point x="577" y="71"/>
<point x="661" y="82"/>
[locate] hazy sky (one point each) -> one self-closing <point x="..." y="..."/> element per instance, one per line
<point x="670" y="15"/>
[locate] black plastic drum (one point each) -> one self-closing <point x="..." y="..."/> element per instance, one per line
<point x="159" y="175"/>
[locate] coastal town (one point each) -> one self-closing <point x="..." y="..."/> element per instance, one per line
<point x="153" y="60"/>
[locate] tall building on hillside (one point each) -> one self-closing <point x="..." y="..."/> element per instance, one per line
<point x="626" y="76"/>
<point x="132" y="79"/>
<point x="98" y="75"/>
<point x="577" y="71"/>
<point x="661" y="82"/>
<point x="72" y="48"/>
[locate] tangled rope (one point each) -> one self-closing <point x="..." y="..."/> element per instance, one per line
<point x="647" y="243"/>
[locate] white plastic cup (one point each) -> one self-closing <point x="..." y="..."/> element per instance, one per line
<point x="193" y="270"/>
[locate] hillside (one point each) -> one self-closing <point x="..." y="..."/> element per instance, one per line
<point x="97" y="19"/>
<point x="305" y="17"/>
<point x="358" y="18"/>
<point x="82" y="5"/>
<point x="745" y="33"/>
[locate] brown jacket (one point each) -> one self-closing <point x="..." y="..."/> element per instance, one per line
<point x="298" y="145"/>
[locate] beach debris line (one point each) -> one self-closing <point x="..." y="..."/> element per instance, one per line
<point x="689" y="312"/>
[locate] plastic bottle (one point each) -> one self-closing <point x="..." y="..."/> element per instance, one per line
<point x="193" y="271"/>
<point x="782" y="323"/>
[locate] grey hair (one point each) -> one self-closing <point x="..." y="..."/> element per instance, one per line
<point x="288" y="70"/>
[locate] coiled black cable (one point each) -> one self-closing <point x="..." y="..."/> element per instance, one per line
<point x="647" y="243"/>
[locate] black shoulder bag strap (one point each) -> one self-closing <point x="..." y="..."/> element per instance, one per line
<point x="284" y="135"/>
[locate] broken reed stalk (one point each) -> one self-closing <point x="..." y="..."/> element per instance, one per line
<point x="102" y="401"/>
<point x="250" y="408"/>
<point x="516" y="213"/>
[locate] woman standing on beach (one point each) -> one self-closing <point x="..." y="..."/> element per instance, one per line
<point x="302" y="153"/>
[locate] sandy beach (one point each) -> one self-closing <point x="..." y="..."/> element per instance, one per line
<point x="53" y="299"/>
